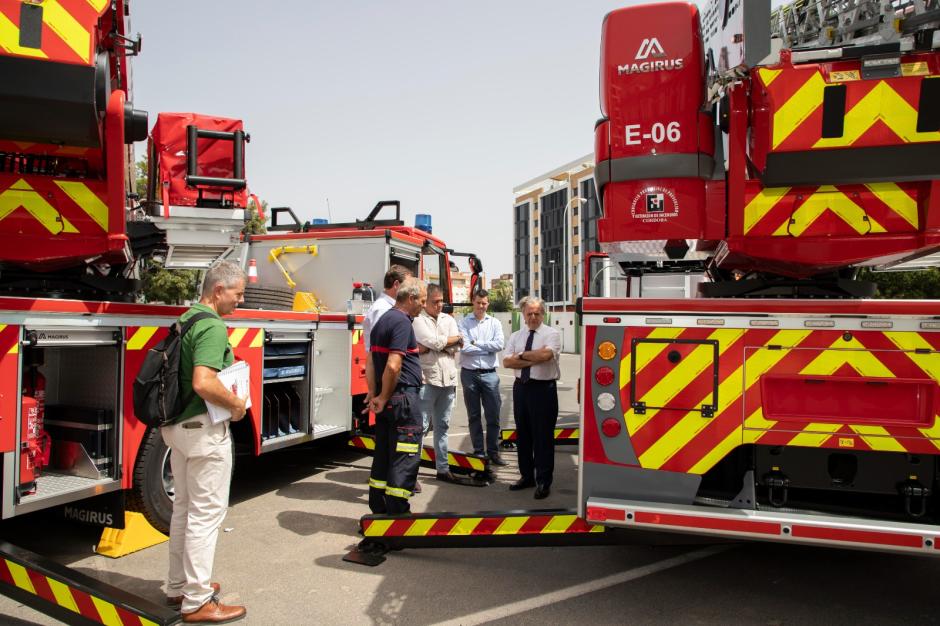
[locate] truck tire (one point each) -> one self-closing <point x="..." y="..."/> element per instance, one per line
<point x="153" y="482"/>
<point x="271" y="298"/>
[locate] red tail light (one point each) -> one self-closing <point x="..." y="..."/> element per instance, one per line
<point x="610" y="427"/>
<point x="604" y="376"/>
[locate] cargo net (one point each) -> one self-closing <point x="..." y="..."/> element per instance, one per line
<point x="825" y="23"/>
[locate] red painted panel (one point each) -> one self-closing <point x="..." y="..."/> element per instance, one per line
<point x="857" y="536"/>
<point x="710" y="523"/>
<point x="9" y="387"/>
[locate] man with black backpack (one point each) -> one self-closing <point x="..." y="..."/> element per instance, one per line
<point x="200" y="451"/>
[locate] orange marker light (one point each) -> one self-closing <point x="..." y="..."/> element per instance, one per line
<point x="607" y="350"/>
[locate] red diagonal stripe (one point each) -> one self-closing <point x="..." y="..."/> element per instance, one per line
<point x="443" y="526"/>
<point x="128" y="618"/>
<point x="41" y="585"/>
<point x="579" y="526"/>
<point x="487" y="526"/>
<point x="399" y="528"/>
<point x="462" y="460"/>
<point x="85" y="605"/>
<point x="535" y="524"/>
<point x="5" y="575"/>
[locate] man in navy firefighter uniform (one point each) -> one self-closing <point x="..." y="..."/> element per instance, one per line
<point x="394" y="378"/>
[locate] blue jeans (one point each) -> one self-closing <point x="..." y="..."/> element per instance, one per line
<point x="436" y="405"/>
<point x="483" y="388"/>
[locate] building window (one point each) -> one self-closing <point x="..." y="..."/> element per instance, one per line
<point x="552" y="232"/>
<point x="575" y="230"/>
<point x="589" y="217"/>
<point x="536" y="241"/>
<point x="576" y="249"/>
<point x="521" y="257"/>
<point x="536" y="225"/>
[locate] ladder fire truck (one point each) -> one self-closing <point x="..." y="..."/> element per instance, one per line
<point x="782" y="404"/>
<point x="72" y="334"/>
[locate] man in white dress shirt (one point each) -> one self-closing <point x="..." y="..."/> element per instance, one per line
<point x="533" y="352"/>
<point x="438" y="342"/>
<point x="394" y="277"/>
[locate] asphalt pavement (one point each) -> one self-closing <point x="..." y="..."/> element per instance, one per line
<point x="294" y="514"/>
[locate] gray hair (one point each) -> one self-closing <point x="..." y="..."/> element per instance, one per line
<point x="532" y="300"/>
<point x="224" y="272"/>
<point x="434" y="288"/>
<point x="410" y="288"/>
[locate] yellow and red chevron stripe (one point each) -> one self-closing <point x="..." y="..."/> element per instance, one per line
<point x="68" y="29"/>
<point x="56" y="207"/>
<point x="561" y="434"/>
<point x="459" y="460"/>
<point x="67" y="597"/>
<point x="877" y="112"/>
<point x="832" y="210"/>
<point x="471" y="526"/>
<point x="672" y="434"/>
<point x="246" y="337"/>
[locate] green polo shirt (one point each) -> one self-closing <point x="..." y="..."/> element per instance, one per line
<point x="206" y="343"/>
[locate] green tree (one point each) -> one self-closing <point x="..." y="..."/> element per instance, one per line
<point x="919" y="285"/>
<point x="168" y="286"/>
<point x="255" y="225"/>
<point x="501" y="297"/>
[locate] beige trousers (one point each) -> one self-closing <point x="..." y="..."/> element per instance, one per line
<point x="201" y="460"/>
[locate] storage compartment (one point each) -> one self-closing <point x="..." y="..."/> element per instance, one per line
<point x="286" y="395"/>
<point x="72" y="377"/>
<point x="333" y="349"/>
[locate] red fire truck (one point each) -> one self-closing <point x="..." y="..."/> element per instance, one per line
<point x="72" y="335"/>
<point x="783" y="404"/>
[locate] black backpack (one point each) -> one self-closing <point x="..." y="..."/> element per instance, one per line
<point x="157" y="386"/>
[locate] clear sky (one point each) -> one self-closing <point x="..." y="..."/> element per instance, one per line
<point x="441" y="104"/>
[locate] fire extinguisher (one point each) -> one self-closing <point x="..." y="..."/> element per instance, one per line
<point x="35" y="438"/>
<point x="29" y="435"/>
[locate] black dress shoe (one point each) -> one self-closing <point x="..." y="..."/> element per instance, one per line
<point x="446" y="477"/>
<point x="521" y="484"/>
<point x="495" y="459"/>
<point x="542" y="491"/>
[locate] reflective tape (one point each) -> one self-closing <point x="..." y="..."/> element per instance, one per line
<point x="398" y="492"/>
<point x="377" y="484"/>
<point x="406" y="448"/>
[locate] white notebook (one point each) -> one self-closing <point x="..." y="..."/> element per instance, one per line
<point x="236" y="379"/>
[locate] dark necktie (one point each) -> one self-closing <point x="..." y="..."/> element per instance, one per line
<point x="524" y="375"/>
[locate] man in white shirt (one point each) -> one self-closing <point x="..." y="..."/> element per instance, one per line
<point x="438" y="342"/>
<point x="394" y="277"/>
<point x="533" y="352"/>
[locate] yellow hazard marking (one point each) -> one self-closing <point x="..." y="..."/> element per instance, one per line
<point x="898" y="200"/>
<point x="844" y="76"/>
<point x="10" y="40"/>
<point x="851" y="353"/>
<point x="465" y="526"/>
<point x="846" y="442"/>
<point x="420" y="527"/>
<point x="87" y="200"/>
<point x="768" y="76"/>
<point x="558" y="524"/>
<point x="20" y="577"/>
<point x="814" y="435"/>
<point x="378" y="528"/>
<point x="14" y="349"/>
<point x="98" y="5"/>
<point x="425" y="455"/>
<point x="883" y="104"/>
<point x="918" y="68"/>
<point x="140" y="337"/>
<point x="761" y="204"/>
<point x="649" y="353"/>
<point x="356" y="336"/>
<point x="828" y="198"/>
<point x="730" y="390"/>
<point x="109" y="614"/>
<point x="878" y="438"/>
<point x="67" y="28"/>
<point x="510" y="526"/>
<point x="367" y="442"/>
<point x="258" y="341"/>
<point x="672" y="383"/>
<point x="733" y="440"/>
<point x="929" y="363"/>
<point x="63" y="596"/>
<point x="235" y="336"/>
<point x="800" y="106"/>
<point x="21" y="195"/>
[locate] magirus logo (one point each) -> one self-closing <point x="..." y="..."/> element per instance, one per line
<point x="650" y="47"/>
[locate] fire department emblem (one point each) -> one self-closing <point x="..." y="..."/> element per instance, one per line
<point x="654" y="204"/>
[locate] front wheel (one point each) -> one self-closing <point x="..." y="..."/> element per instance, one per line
<point x="152" y="493"/>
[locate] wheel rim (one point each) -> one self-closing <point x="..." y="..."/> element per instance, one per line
<point x="166" y="476"/>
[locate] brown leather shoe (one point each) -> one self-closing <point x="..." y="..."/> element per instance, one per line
<point x="214" y="612"/>
<point x="177" y="601"/>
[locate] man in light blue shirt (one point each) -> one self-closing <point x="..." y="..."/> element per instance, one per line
<point x="482" y="340"/>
